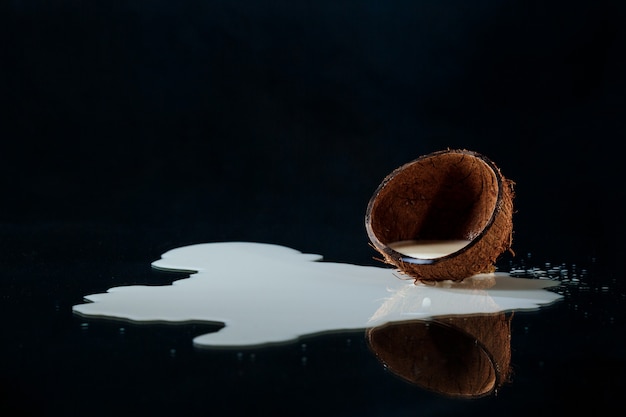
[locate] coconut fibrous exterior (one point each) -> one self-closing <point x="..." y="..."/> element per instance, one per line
<point x="446" y="195"/>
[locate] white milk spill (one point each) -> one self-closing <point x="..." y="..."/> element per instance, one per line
<point x="266" y="294"/>
<point x="428" y="249"/>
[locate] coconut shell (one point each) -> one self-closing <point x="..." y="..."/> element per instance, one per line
<point x="445" y="195"/>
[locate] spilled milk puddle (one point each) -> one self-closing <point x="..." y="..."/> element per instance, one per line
<point x="277" y="294"/>
<point x="449" y="338"/>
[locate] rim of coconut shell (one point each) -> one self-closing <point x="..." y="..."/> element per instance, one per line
<point x="391" y="254"/>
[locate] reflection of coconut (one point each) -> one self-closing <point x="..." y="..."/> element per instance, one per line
<point x="460" y="356"/>
<point x="451" y="195"/>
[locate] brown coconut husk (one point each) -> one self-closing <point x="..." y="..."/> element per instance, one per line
<point x="466" y="357"/>
<point x="446" y="195"/>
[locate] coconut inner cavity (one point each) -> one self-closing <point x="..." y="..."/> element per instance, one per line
<point x="435" y="206"/>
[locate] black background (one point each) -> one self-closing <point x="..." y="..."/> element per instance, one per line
<point x="134" y="127"/>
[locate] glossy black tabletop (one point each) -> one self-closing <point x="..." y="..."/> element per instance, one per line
<point x="131" y="128"/>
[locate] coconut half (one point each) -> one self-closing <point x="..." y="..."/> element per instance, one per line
<point x="444" y="216"/>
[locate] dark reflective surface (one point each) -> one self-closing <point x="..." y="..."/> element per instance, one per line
<point x="55" y="363"/>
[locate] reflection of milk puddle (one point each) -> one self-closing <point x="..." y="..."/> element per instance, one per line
<point x="271" y="294"/>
